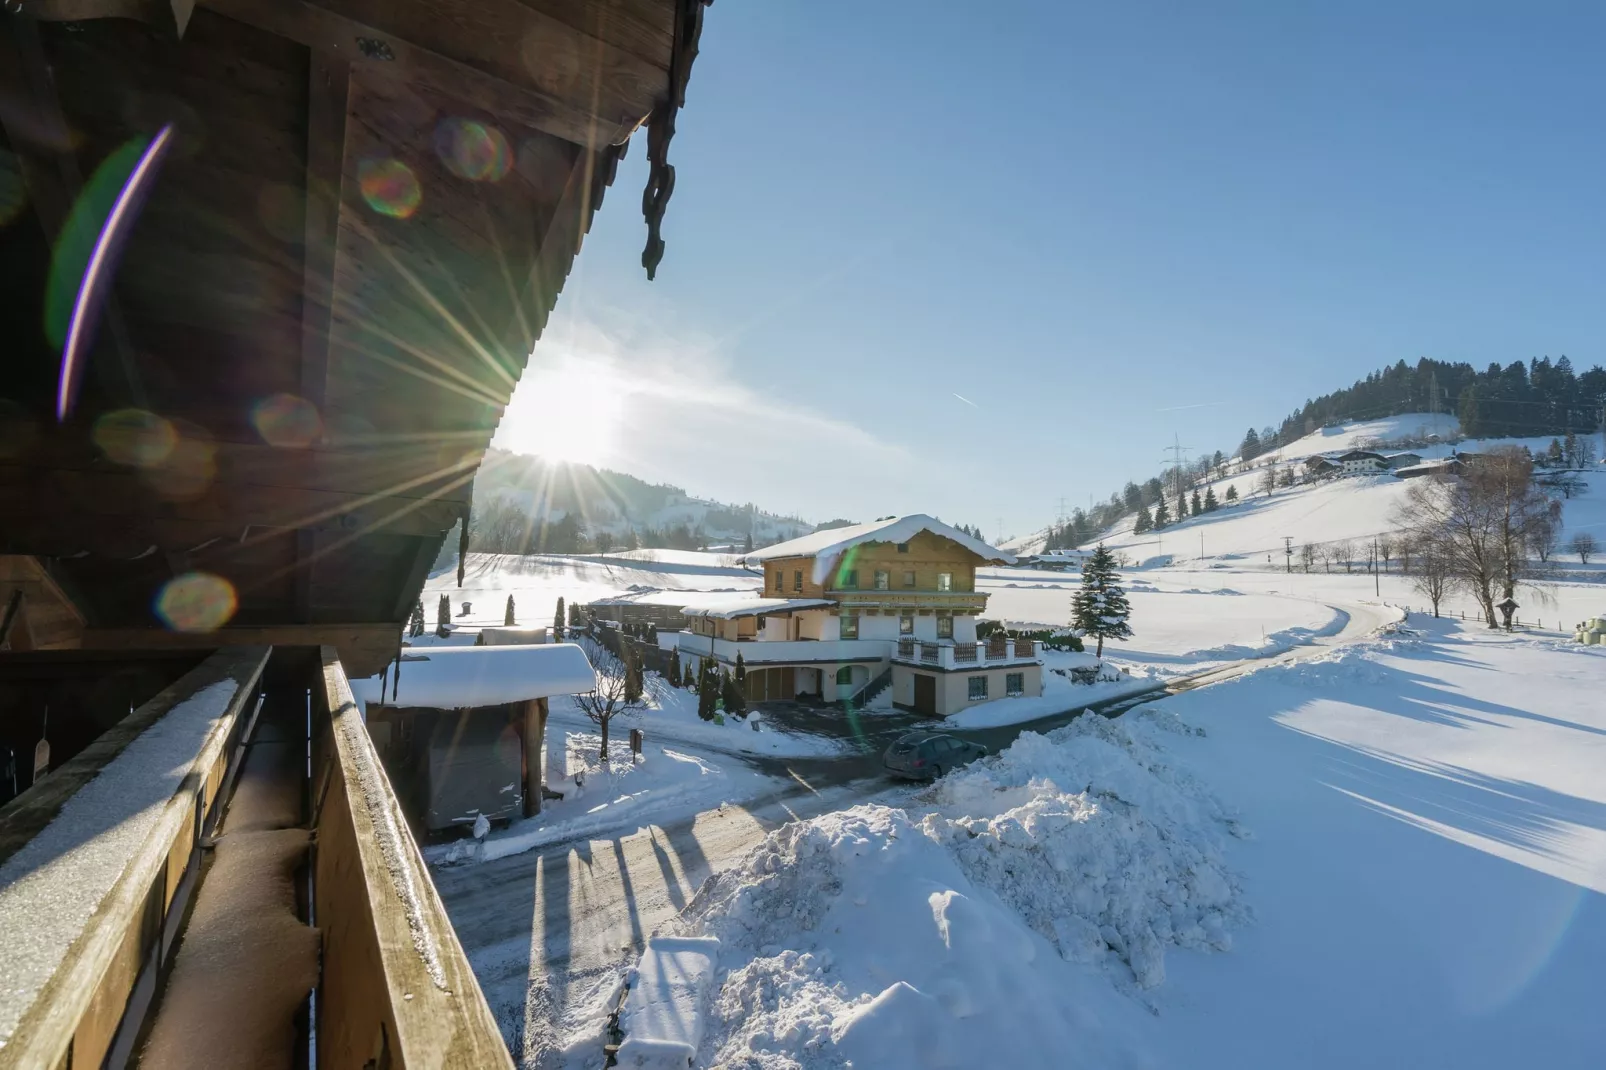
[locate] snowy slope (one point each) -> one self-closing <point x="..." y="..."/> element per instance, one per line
<point x="1414" y="427"/>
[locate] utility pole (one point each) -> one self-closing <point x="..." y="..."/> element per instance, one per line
<point x="1176" y="450"/>
<point x="1377" y="582"/>
<point x="1288" y="554"/>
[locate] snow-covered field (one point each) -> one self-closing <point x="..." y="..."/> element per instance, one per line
<point x="1391" y="856"/>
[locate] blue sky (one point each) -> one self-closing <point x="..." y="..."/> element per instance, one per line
<point x="1082" y="218"/>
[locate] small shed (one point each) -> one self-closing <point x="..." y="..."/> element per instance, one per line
<point x="506" y="636"/>
<point x="462" y="730"/>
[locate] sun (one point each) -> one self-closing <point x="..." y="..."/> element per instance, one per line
<point x="566" y="408"/>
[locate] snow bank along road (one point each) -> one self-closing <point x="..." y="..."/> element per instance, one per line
<point x="550" y="932"/>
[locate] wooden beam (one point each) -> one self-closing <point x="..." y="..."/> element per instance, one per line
<point x="328" y="89"/>
<point x="364" y="648"/>
<point x="365" y="46"/>
<point x="397" y="989"/>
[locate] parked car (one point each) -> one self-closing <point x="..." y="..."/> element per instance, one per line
<point x="928" y="755"/>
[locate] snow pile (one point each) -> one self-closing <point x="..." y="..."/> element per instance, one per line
<point x="1097" y="843"/>
<point x="663" y="1013"/>
<point x="990" y="932"/>
<point x="856" y="937"/>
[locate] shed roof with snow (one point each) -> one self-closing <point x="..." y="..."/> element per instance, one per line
<point x="452" y="677"/>
<point x="826" y="546"/>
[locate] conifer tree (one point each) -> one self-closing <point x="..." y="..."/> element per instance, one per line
<point x="674" y="668"/>
<point x="1144" y="522"/>
<point x="415" y="626"/>
<point x="1232" y="493"/>
<point x="557" y="621"/>
<point x="1100" y="608"/>
<point x="443" y="616"/>
<point x="1162" y="516"/>
<point x="1210" y="503"/>
<point x="1198" y="504"/>
<point x="731" y="692"/>
<point x="508" y="618"/>
<point x="707" y="690"/>
<point x="741" y="672"/>
<point x="633" y="687"/>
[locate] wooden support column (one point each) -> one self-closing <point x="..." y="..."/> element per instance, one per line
<point x="535" y="713"/>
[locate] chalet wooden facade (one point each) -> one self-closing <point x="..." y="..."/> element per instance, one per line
<point x="847" y="612"/>
<point x="272" y="269"/>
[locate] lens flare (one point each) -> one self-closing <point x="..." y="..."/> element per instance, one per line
<point x="87" y="250"/>
<point x="473" y="150"/>
<point x="196" y="602"/>
<point x="135" y="437"/>
<point x="189" y="469"/>
<point x="287" y="421"/>
<point x="390" y="187"/>
<point x="13" y="192"/>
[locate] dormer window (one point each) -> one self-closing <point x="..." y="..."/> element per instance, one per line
<point x="848" y="579"/>
<point x="903" y="547"/>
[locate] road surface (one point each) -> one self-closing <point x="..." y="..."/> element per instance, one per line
<point x="550" y="932"/>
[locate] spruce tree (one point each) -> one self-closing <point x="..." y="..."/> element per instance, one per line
<point x="674" y="668"/>
<point x="633" y="687"/>
<point x="1210" y="503"/>
<point x="508" y="618"/>
<point x="1198" y="504"/>
<point x="415" y="626"/>
<point x="707" y="690"/>
<point x="1162" y="516"/>
<point x="741" y="672"/>
<point x="443" y="616"/>
<point x="1144" y="522"/>
<point x="1100" y="608"/>
<point x="731" y="692"/>
<point x="1232" y="493"/>
<point x="557" y="622"/>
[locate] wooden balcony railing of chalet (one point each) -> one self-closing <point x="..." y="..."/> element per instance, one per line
<point x="952" y="655"/>
<point x="397" y="990"/>
<point x="101" y="866"/>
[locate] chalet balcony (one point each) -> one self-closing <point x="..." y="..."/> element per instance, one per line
<point x="954" y="656"/>
<point x="902" y="598"/>
<point x="783" y="651"/>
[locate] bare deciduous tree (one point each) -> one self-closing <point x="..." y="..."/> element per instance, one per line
<point x="1584" y="545"/>
<point x="1386" y="549"/>
<point x="614" y="685"/>
<point x="1432" y="575"/>
<point x="1307" y="556"/>
<point x="1344" y="551"/>
<point x="1483" y="521"/>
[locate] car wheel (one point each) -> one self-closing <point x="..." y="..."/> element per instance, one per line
<point x="936" y="772"/>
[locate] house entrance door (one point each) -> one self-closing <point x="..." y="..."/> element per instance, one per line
<point x="925" y="694"/>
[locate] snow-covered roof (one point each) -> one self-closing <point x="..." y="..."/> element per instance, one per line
<point x="826" y="546"/>
<point x="752" y="607"/>
<point x="447" y="677"/>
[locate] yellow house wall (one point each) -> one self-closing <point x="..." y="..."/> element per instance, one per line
<point x="928" y="555"/>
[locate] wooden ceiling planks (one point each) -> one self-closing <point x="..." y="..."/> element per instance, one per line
<point x="259" y="266"/>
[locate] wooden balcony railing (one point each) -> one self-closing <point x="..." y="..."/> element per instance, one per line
<point x="397" y="990"/>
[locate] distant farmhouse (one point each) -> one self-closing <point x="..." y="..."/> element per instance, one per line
<point x="849" y="611"/>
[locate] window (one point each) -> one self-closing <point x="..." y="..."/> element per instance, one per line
<point x="906" y="624"/>
<point x="780" y="580"/>
<point x="844" y="675"/>
<point x="908" y="577"/>
<point x="903" y="547"/>
<point x="797" y="581"/>
<point x="1014" y="683"/>
<point x="848" y="579"/>
<point x="945" y="627"/>
<point x="978" y="688"/>
<point x="945" y="581"/>
<point x="883" y="579"/>
<point x="850" y="627"/>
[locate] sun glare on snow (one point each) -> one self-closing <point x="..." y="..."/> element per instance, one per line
<point x="568" y="409"/>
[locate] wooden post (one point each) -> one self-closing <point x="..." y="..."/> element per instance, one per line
<point x="535" y="711"/>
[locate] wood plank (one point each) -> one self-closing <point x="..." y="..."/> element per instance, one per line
<point x="397" y="989"/>
<point x="644" y="28"/>
<point x="366" y="648"/>
<point x="48" y="1025"/>
<point x="519" y="100"/>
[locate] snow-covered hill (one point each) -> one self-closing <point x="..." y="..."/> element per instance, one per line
<point x="1412" y="430"/>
